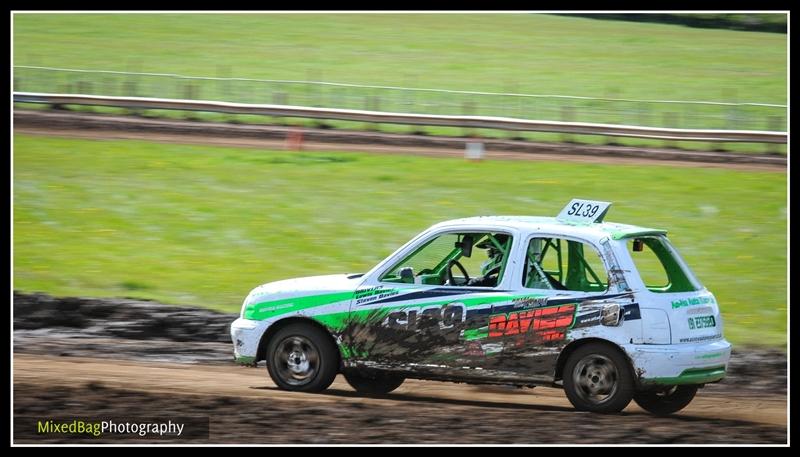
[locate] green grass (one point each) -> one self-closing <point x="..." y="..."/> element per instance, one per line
<point x="526" y="53"/>
<point x="203" y="225"/>
<point x="532" y="53"/>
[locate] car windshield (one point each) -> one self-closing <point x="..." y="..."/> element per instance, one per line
<point x="660" y="266"/>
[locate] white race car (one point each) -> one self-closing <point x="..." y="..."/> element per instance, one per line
<point x="502" y="300"/>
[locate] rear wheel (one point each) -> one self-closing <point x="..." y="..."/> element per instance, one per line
<point x="598" y="378"/>
<point x="373" y="383"/>
<point x="667" y="400"/>
<point x="303" y="358"/>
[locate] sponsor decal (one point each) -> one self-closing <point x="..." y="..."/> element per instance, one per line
<point x="701" y="338"/>
<point x="701" y="322"/>
<point x="594" y="316"/>
<point x="373" y="293"/>
<point x="416" y="294"/>
<point x="546" y="324"/>
<point x="445" y="317"/>
<point x="588" y="319"/>
<point x="277" y="307"/>
<point x="705" y="300"/>
<point x="529" y="302"/>
<point x="631" y="312"/>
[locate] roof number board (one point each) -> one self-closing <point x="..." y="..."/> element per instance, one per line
<point x="579" y="210"/>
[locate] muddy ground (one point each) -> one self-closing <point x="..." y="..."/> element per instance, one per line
<point x="94" y="126"/>
<point x="80" y="357"/>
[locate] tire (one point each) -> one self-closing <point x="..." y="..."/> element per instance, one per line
<point x="378" y="383"/>
<point x="666" y="401"/>
<point x="598" y="378"/>
<point x="303" y="358"/>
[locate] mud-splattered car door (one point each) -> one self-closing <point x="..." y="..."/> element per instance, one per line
<point x="559" y="274"/>
<point x="421" y="315"/>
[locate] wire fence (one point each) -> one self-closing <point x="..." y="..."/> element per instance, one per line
<point x="611" y="110"/>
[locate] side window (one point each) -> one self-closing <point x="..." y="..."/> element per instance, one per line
<point x="424" y="261"/>
<point x="471" y="259"/>
<point x="658" y="266"/>
<point x="562" y="264"/>
<point x="650" y="268"/>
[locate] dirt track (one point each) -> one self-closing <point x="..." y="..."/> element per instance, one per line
<point x="175" y="361"/>
<point x="90" y="126"/>
<point x="245" y="406"/>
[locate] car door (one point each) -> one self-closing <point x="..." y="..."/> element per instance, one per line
<point x="558" y="273"/>
<point x="413" y="315"/>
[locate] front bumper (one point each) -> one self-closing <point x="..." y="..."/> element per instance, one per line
<point x="673" y="364"/>
<point x="246" y="335"/>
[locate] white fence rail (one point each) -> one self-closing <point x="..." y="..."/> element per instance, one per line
<point x="490" y="122"/>
<point x="131" y="74"/>
<point x="728" y="113"/>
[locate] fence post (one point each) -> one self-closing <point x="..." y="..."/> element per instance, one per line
<point x="223" y="85"/>
<point x="468" y="109"/>
<point x="614" y="113"/>
<point x="732" y="115"/>
<point x="411" y="99"/>
<point x="279" y="98"/>
<point x="670" y="120"/>
<point x="567" y="115"/>
<point x="372" y="103"/>
<point x="190" y="93"/>
<point x="377" y="107"/>
<point x="84" y="87"/>
<point x="774" y="124"/>
<point x="129" y="90"/>
<point x="512" y="134"/>
<point x="223" y="90"/>
<point x="109" y="86"/>
<point x="644" y="114"/>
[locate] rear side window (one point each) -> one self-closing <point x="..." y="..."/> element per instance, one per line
<point x="563" y="264"/>
<point x="660" y="266"/>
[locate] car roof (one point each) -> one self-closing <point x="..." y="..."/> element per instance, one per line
<point x="595" y="231"/>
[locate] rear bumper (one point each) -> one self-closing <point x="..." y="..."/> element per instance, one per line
<point x="673" y="364"/>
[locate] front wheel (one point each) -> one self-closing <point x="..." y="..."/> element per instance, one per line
<point x="375" y="384"/>
<point x="665" y="401"/>
<point x="598" y="378"/>
<point x="303" y="358"/>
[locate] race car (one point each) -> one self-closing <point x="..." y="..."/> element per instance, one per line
<point x="609" y="312"/>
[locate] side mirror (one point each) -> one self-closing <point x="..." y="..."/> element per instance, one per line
<point x="407" y="275"/>
<point x="638" y="245"/>
<point x="466" y="245"/>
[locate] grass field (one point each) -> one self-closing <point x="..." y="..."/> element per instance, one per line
<point x="519" y="53"/>
<point x="202" y="225"/>
<point x="531" y="53"/>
